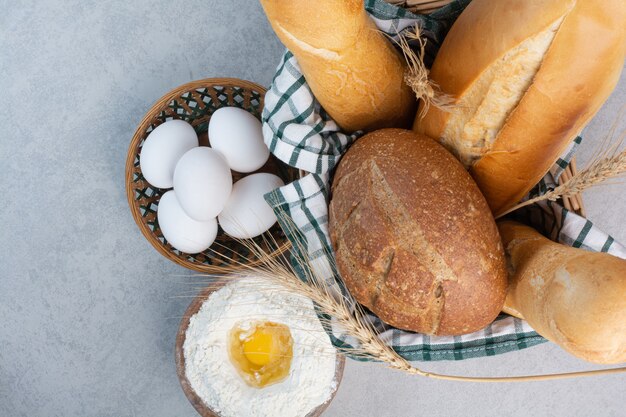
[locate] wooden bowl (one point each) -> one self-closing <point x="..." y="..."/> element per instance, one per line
<point x="195" y="102"/>
<point x="191" y="395"/>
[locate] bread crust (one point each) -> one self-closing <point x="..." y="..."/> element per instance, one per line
<point x="413" y="237"/>
<point x="570" y="296"/>
<point x="352" y="68"/>
<point x="579" y="70"/>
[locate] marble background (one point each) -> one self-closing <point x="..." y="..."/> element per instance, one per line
<point x="88" y="309"/>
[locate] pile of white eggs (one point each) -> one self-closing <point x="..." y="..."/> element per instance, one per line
<point x="203" y="193"/>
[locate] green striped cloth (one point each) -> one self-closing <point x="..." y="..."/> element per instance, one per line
<point x="300" y="133"/>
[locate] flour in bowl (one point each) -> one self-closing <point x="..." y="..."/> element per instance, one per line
<point x="210" y="369"/>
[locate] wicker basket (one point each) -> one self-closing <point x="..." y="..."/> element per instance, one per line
<point x="420" y="6"/>
<point x="195" y="102"/>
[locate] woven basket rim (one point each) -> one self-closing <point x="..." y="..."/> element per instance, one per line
<point x="154" y="110"/>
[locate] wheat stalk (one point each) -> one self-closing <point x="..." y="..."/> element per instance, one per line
<point x="416" y="75"/>
<point x="346" y="312"/>
<point x="608" y="164"/>
<point x="339" y="306"/>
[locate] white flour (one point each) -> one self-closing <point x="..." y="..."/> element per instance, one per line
<point x="214" y="378"/>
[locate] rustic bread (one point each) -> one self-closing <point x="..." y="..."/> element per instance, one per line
<point x="352" y="68"/>
<point x="414" y="239"/>
<point x="527" y="75"/>
<point x="572" y="297"/>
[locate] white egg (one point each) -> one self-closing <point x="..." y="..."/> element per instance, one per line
<point x="181" y="231"/>
<point x="203" y="183"/>
<point x="162" y="150"/>
<point x="238" y="135"/>
<point x="247" y="214"/>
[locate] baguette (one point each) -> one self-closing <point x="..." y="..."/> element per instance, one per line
<point x="527" y="75"/>
<point x="572" y="297"/>
<point x="353" y="69"/>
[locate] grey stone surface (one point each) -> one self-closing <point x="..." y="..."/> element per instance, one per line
<point x="88" y="310"/>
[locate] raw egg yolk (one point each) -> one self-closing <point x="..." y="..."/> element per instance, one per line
<point x="259" y="347"/>
<point x="261" y="352"/>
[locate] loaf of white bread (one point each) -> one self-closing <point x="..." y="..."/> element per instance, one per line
<point x="526" y="76"/>
<point x="353" y="70"/>
<point x="572" y="297"/>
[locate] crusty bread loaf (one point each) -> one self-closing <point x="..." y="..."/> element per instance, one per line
<point x="570" y="296"/>
<point x="413" y="237"/>
<point x="527" y="75"/>
<point x="353" y="70"/>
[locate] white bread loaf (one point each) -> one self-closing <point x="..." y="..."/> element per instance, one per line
<point x="527" y="75"/>
<point x="572" y="297"/>
<point x="352" y="68"/>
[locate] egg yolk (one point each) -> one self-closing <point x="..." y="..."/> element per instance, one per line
<point x="261" y="352"/>
<point x="258" y="348"/>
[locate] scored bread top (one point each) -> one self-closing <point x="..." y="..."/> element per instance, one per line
<point x="414" y="239"/>
<point x="527" y="75"/>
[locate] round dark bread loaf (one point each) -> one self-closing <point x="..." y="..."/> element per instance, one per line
<point x="414" y="238"/>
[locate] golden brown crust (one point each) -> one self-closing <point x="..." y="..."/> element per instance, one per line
<point x="353" y="70"/>
<point x="493" y="30"/>
<point x="572" y="297"/>
<point x="413" y="237"/>
<point x="579" y="70"/>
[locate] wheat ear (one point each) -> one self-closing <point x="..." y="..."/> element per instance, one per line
<point x="608" y="164"/>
